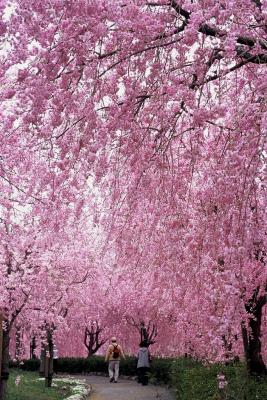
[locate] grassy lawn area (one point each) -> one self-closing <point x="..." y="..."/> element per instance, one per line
<point x="31" y="388"/>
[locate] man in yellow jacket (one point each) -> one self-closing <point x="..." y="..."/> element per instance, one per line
<point x="113" y="356"/>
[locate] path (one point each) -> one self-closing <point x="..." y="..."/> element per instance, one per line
<point x="125" y="390"/>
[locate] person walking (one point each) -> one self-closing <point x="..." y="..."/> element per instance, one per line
<point x="113" y="356"/>
<point x="143" y="363"/>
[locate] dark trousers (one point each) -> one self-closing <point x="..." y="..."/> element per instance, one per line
<point x="142" y="374"/>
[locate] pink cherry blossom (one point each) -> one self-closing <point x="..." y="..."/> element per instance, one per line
<point x="133" y="173"/>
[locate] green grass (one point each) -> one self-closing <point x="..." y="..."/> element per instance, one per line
<point x="191" y="380"/>
<point x="30" y="388"/>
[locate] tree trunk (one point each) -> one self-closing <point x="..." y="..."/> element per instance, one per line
<point x="245" y="340"/>
<point x="18" y="344"/>
<point x="252" y="339"/>
<point x="33" y="348"/>
<point x="148" y="333"/>
<point x="257" y="365"/>
<point x="91" y="338"/>
<point x="48" y="362"/>
<point x="4" y="364"/>
<point x="42" y="360"/>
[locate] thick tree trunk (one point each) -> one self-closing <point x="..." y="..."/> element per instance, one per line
<point x="252" y="339"/>
<point x="4" y="364"/>
<point x="257" y="365"/>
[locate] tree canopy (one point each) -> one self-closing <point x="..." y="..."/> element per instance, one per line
<point x="133" y="167"/>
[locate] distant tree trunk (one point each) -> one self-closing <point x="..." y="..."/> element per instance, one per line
<point x="228" y="340"/>
<point x="245" y="342"/>
<point x="4" y="363"/>
<point x="48" y="361"/>
<point x="252" y="338"/>
<point x="91" y="338"/>
<point x="148" y="333"/>
<point x="18" y="343"/>
<point x="42" y="359"/>
<point x="227" y="344"/>
<point x="33" y="347"/>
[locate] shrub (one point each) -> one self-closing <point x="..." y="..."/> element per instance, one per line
<point x="128" y="366"/>
<point x="94" y="364"/>
<point x="192" y="380"/>
<point x="27" y="365"/>
<point x="80" y="365"/>
<point x="161" y="370"/>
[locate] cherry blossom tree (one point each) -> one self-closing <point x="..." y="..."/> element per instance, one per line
<point x="38" y="268"/>
<point x="156" y="109"/>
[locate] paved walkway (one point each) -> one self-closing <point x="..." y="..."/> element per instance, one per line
<point x="125" y="390"/>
